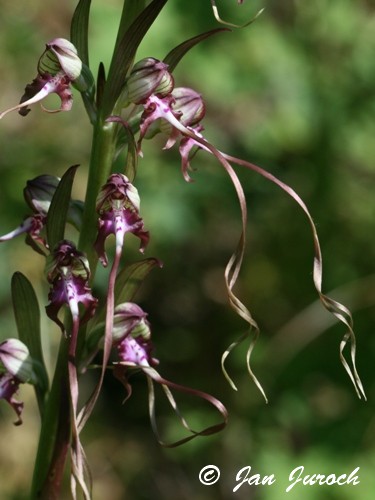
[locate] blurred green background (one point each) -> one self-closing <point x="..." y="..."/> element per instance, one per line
<point x="294" y="93"/>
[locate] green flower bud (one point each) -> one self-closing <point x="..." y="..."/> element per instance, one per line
<point x="117" y="192"/>
<point x="190" y="104"/>
<point x="16" y="358"/>
<point x="60" y="55"/>
<point x="39" y="191"/>
<point x="148" y="76"/>
<point x="130" y="319"/>
<point x="66" y="259"/>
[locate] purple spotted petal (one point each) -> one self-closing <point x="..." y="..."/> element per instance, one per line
<point x="31" y="225"/>
<point x="40" y="88"/>
<point x="119" y="222"/>
<point x="8" y="387"/>
<point x="136" y="352"/>
<point x="70" y="290"/>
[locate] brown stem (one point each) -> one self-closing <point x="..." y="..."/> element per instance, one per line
<point x="52" y="486"/>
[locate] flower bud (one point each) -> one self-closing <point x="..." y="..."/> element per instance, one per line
<point x="16" y="358"/>
<point x="60" y="55"/>
<point x="117" y="190"/>
<point x="190" y="104"/>
<point x="66" y="258"/>
<point x="148" y="76"/>
<point x="130" y="319"/>
<point x="39" y="191"/>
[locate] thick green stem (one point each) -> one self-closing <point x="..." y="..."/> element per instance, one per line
<point x="102" y="154"/>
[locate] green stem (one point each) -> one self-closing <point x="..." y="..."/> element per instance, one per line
<point x="102" y="154"/>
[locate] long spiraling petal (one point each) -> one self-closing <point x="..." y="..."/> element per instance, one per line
<point x="221" y="21"/>
<point x="341" y="312"/>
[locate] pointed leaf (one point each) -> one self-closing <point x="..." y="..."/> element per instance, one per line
<point x="35" y="246"/>
<point x="75" y="213"/>
<point x="175" y="55"/>
<point x="128" y="282"/>
<point x="131" y="164"/>
<point x="79" y="37"/>
<point x="79" y="30"/>
<point x="124" y="54"/>
<point x="130" y="10"/>
<point x="130" y="279"/>
<point x="128" y="139"/>
<point x="101" y="80"/>
<point x="27" y="315"/>
<point x="58" y="211"/>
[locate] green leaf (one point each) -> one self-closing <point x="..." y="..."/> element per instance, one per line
<point x="79" y="30"/>
<point x="101" y="80"/>
<point x="128" y="282"/>
<point x="27" y="315"/>
<point x="126" y="138"/>
<point x="175" y="55"/>
<point x="130" y="279"/>
<point x="130" y="10"/>
<point x="79" y="37"/>
<point x="124" y="54"/>
<point x="75" y="213"/>
<point x="58" y="211"/>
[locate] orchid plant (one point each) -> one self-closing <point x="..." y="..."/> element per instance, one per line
<point x="131" y="102"/>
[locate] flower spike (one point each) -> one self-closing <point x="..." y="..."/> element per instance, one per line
<point x="118" y="205"/>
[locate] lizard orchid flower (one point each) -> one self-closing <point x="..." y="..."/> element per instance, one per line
<point x="16" y="367"/>
<point x="58" y="67"/>
<point x="38" y="195"/>
<point x="68" y="273"/>
<point x="118" y="206"/>
<point x="178" y="115"/>
<point x="132" y="338"/>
